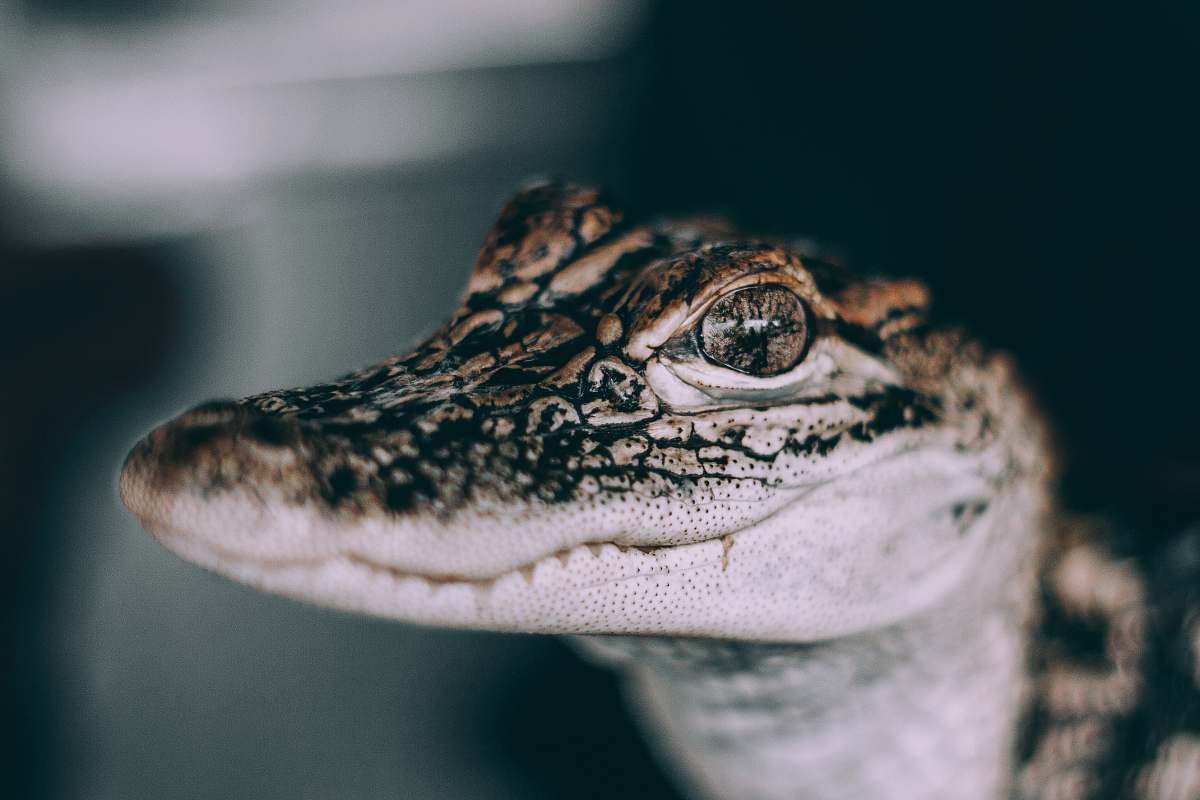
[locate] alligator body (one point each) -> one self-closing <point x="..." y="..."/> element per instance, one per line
<point x="814" y="529"/>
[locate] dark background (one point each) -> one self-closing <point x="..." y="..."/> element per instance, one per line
<point x="1036" y="163"/>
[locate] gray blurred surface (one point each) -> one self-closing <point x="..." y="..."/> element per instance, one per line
<point x="163" y="124"/>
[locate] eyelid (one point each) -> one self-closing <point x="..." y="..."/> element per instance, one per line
<point x="646" y="337"/>
<point x="762" y="278"/>
<point x="830" y="359"/>
<point x="686" y="340"/>
<point x="685" y="346"/>
<point x="719" y="382"/>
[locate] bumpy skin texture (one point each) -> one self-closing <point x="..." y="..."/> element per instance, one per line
<point x="1116" y="668"/>
<point x="562" y="457"/>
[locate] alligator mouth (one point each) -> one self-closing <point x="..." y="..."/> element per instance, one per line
<point x="215" y="558"/>
<point x="741" y="584"/>
<point x="564" y="592"/>
<point x="237" y="532"/>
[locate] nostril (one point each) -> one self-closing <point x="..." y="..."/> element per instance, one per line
<point x="342" y="483"/>
<point x="197" y="429"/>
<point x="187" y="440"/>
<point x="214" y="414"/>
<point x="271" y="431"/>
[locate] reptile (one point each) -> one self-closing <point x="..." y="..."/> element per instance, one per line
<point x="814" y="528"/>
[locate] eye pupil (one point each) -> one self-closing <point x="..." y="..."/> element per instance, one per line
<point x="759" y="330"/>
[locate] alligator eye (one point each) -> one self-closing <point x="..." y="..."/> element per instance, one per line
<point x="759" y="330"/>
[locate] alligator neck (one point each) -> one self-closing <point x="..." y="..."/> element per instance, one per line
<point x="925" y="708"/>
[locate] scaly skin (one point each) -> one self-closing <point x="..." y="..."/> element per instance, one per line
<point x="822" y="579"/>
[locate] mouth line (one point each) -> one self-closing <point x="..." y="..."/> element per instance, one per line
<point x="211" y="556"/>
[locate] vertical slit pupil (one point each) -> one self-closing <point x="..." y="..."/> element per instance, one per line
<point x="758" y="330"/>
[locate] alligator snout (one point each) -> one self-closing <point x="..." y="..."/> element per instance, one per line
<point x="217" y="444"/>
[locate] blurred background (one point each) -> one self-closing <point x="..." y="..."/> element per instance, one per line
<point x="204" y="198"/>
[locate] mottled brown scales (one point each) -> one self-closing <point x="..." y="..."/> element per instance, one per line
<point x="609" y="330"/>
<point x="537" y="231"/>
<point x="535" y="396"/>
<point x="587" y="272"/>
<point x="875" y="304"/>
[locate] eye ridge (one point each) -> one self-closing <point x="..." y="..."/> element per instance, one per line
<point x="758" y="330"/>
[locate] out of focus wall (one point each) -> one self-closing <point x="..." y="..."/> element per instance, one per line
<point x="144" y="123"/>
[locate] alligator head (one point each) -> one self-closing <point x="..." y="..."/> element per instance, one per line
<point x="627" y="427"/>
